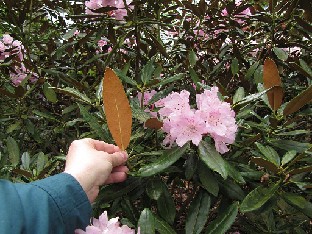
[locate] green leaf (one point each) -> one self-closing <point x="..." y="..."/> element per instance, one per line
<point x="165" y="205"/>
<point x="74" y="93"/>
<point x="257" y="197"/>
<point x="305" y="67"/>
<point x="208" y="180"/>
<point x="25" y="160"/>
<point x="290" y="145"/>
<point x="45" y="115"/>
<point x="192" y="58"/>
<point x="125" y="78"/>
<point x="269" y="153"/>
<point x="49" y="93"/>
<point x="232" y="190"/>
<point x="168" y="158"/>
<point x="251" y="70"/>
<point x="234" y="66"/>
<point x="288" y="157"/>
<point x="69" y="34"/>
<point x="194" y="76"/>
<point x="42" y="159"/>
<point x="154" y="188"/>
<point x="224" y="221"/>
<point x="170" y="80"/>
<point x="147" y="72"/>
<point x="300" y="170"/>
<point x="252" y="97"/>
<point x="13" y="150"/>
<point x="299" y="202"/>
<point x="299" y="101"/>
<point x="94" y="123"/>
<point x="239" y="95"/>
<point x="198" y="213"/>
<point x="280" y="53"/>
<point x="209" y="155"/>
<point x="146" y="222"/>
<point x="163" y="227"/>
<point x="233" y="173"/>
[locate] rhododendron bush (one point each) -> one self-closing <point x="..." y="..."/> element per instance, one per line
<point x="220" y="93"/>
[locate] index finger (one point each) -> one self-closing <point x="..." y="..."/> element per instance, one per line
<point x="103" y="146"/>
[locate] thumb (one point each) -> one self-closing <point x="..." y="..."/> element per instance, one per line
<point x="117" y="158"/>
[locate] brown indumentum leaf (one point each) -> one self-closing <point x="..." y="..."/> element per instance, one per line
<point x="153" y="123"/>
<point x="117" y="109"/>
<point x="271" y="79"/>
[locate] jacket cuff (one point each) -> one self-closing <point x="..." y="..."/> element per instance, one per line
<point x="70" y="198"/>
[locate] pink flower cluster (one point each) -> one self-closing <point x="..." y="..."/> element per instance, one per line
<point x="103" y="225"/>
<point x="119" y="14"/>
<point x="182" y="123"/>
<point x="14" y="48"/>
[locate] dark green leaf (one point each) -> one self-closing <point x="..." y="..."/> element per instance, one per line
<point x="288" y="157"/>
<point x="257" y="197"/>
<point x="269" y="153"/>
<point x="170" y="80"/>
<point x="165" y="205"/>
<point x="147" y="72"/>
<point x="224" y="221"/>
<point x="163" y="227"/>
<point x="192" y="58"/>
<point x="209" y="155"/>
<point x="208" y="180"/>
<point x="232" y="190"/>
<point x="234" y="66"/>
<point x="299" y="202"/>
<point x="194" y="76"/>
<point x="198" y="213"/>
<point x="168" y="158"/>
<point x="25" y="160"/>
<point x="239" y="95"/>
<point x="13" y="150"/>
<point x="49" y="93"/>
<point x="280" y="53"/>
<point x="74" y="93"/>
<point x="146" y="222"/>
<point x="290" y="145"/>
<point x="251" y="70"/>
<point x="154" y="188"/>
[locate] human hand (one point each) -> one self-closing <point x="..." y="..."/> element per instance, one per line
<point x="94" y="163"/>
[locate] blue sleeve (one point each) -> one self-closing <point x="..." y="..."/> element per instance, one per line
<point x="55" y="205"/>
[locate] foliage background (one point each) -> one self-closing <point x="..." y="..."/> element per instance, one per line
<point x="263" y="185"/>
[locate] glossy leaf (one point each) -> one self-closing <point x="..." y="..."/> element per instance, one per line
<point x="197" y="214"/>
<point x="147" y="72"/>
<point x="163" y="227"/>
<point x="269" y="153"/>
<point x="192" y="58"/>
<point x="252" y="70"/>
<point x="165" y="205"/>
<point x="170" y="79"/>
<point x="299" y="202"/>
<point x="49" y="93"/>
<point x="271" y="79"/>
<point x="13" y="150"/>
<point x="208" y="180"/>
<point x="290" y="145"/>
<point x="209" y="155"/>
<point x="257" y="197"/>
<point x="146" y="222"/>
<point x="280" y="53"/>
<point x="117" y="109"/>
<point x="239" y="95"/>
<point x="232" y="190"/>
<point x="234" y="66"/>
<point x="168" y="158"/>
<point x="154" y="188"/>
<point x="288" y="157"/>
<point x="234" y="173"/>
<point x="299" y="101"/>
<point x="25" y="160"/>
<point x="74" y="93"/>
<point x="224" y="221"/>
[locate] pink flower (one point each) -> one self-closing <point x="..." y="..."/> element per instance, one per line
<point x="101" y="43"/>
<point x="103" y="225"/>
<point x="76" y="33"/>
<point x="174" y="103"/>
<point x="147" y="96"/>
<point x="7" y="39"/>
<point x="186" y="126"/>
<point x="2" y="47"/>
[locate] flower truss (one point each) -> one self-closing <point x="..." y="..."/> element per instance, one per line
<point x="103" y="225"/>
<point x="182" y="123"/>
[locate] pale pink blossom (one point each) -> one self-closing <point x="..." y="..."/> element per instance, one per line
<point x="2" y="47"/>
<point x="101" y="43"/>
<point x="119" y="13"/>
<point x="76" y="33"/>
<point x="147" y="97"/>
<point x="103" y="225"/>
<point x="7" y="39"/>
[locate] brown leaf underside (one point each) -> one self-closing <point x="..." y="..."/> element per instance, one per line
<point x="117" y="109"/>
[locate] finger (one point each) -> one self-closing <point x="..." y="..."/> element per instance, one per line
<point x="117" y="158"/>
<point x="120" y="169"/>
<point x="116" y="177"/>
<point x="103" y="146"/>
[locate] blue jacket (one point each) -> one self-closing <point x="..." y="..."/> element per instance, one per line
<point x="53" y="205"/>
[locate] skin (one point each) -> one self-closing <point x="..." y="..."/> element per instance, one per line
<point x="94" y="163"/>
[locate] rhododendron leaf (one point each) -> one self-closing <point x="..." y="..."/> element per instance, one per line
<point x="235" y="174"/>
<point x="165" y="205"/>
<point x="271" y="79"/>
<point x="290" y="145"/>
<point x="197" y="214"/>
<point x="13" y="150"/>
<point x="168" y="158"/>
<point x="147" y="72"/>
<point x="239" y="95"/>
<point x="224" y="220"/>
<point x="269" y="153"/>
<point x="170" y="80"/>
<point x="194" y="76"/>
<point x="117" y="109"/>
<point x="288" y="157"/>
<point x="208" y="180"/>
<point x="305" y="67"/>
<point x="234" y="66"/>
<point x="233" y="190"/>
<point x="153" y="123"/>
<point x="299" y="101"/>
<point x="298" y="202"/>
<point x="49" y="93"/>
<point x="74" y="93"/>
<point x="146" y="222"/>
<point x="301" y="170"/>
<point x="163" y="227"/>
<point x="154" y="188"/>
<point x="257" y="197"/>
<point x="252" y="70"/>
<point x="280" y="53"/>
<point x="192" y="58"/>
<point x="209" y="155"/>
